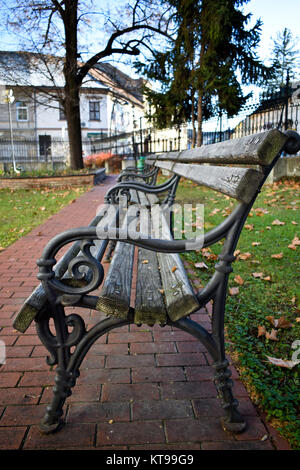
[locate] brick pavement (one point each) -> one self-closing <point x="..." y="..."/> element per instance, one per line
<point x="139" y="388"/>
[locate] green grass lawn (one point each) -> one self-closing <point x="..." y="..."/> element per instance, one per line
<point x="23" y="209"/>
<point x="267" y="287"/>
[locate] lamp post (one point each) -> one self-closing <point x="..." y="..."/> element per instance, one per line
<point x="10" y="99"/>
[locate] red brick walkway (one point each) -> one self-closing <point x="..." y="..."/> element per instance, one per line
<point x="139" y="388"/>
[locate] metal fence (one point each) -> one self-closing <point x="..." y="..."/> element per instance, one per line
<point x="256" y="118"/>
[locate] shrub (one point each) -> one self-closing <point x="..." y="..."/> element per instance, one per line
<point x="97" y="160"/>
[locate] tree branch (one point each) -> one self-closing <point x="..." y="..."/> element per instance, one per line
<point x="83" y="70"/>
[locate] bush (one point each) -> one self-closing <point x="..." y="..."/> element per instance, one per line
<point x="97" y="160"/>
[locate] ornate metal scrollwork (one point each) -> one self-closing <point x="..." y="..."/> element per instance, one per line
<point x="82" y="281"/>
<point x="116" y="196"/>
<point x="51" y="342"/>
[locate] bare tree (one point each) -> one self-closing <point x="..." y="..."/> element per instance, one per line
<point x="55" y="27"/>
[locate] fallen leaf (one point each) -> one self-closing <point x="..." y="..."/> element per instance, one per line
<point x="201" y="265"/>
<point x="294" y="223"/>
<point x="272" y="335"/>
<point x="296" y="241"/>
<point x="298" y="319"/>
<point x="258" y="275"/>
<point x="145" y="261"/>
<point x="281" y="322"/>
<point x="42" y="208"/>
<point x="244" y="256"/>
<point x="161" y="291"/>
<point x="236" y="253"/>
<point x="292" y="247"/>
<point x="267" y="278"/>
<point x="277" y="222"/>
<point x="110" y="421"/>
<point x="174" y="269"/>
<point x="282" y="363"/>
<point x="277" y="256"/>
<point x="239" y="280"/>
<point x="233" y="290"/>
<point x="255" y="243"/>
<point x="261" y="331"/>
<point x="249" y="227"/>
<point x="268" y="227"/>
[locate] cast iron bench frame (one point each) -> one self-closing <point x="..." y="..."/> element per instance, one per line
<point x="55" y="292"/>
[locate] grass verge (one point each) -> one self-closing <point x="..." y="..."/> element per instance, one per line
<point x="264" y="287"/>
<point x="23" y="209"/>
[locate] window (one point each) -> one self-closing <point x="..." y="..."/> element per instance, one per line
<point x="94" y="110"/>
<point x="62" y="116"/>
<point x="22" y="111"/>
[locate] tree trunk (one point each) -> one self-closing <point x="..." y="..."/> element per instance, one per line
<point x="72" y="107"/>
<point x="72" y="85"/>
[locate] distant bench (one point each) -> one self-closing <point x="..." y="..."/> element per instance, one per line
<point x="237" y="168"/>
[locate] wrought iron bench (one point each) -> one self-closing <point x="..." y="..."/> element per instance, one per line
<point x="163" y="292"/>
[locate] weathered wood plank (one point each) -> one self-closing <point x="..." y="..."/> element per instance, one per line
<point x="257" y="149"/>
<point x="239" y="183"/>
<point x="114" y="297"/>
<point x="149" y="303"/>
<point x="179" y="296"/>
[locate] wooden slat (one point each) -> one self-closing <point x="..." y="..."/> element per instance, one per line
<point x="257" y="149"/>
<point x="179" y="296"/>
<point x="114" y="298"/>
<point x="239" y="183"/>
<point x="143" y="199"/>
<point x="133" y="196"/>
<point x="149" y="302"/>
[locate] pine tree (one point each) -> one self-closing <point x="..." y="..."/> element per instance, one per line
<point x="285" y="59"/>
<point x="199" y="73"/>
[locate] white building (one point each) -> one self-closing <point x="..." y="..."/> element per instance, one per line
<point x="110" y="103"/>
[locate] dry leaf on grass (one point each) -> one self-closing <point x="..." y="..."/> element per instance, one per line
<point x="277" y="256"/>
<point x="201" y="265"/>
<point x="245" y="256"/>
<point x="272" y="335"/>
<point x="249" y="227"/>
<point x="296" y="241"/>
<point x="281" y="322"/>
<point x="258" y="275"/>
<point x="294" y="223"/>
<point x="292" y="247"/>
<point x="233" y="290"/>
<point x="239" y="280"/>
<point x="282" y="363"/>
<point x="255" y="243"/>
<point x="267" y="278"/>
<point x="261" y="331"/>
<point x="277" y="222"/>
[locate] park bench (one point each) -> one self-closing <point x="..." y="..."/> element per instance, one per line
<point x="237" y="168"/>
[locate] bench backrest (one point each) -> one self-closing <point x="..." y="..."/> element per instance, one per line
<point x="204" y="165"/>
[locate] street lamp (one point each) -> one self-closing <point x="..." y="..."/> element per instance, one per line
<point x="9" y="98"/>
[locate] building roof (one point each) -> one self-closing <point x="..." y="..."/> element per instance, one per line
<point x="28" y="69"/>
